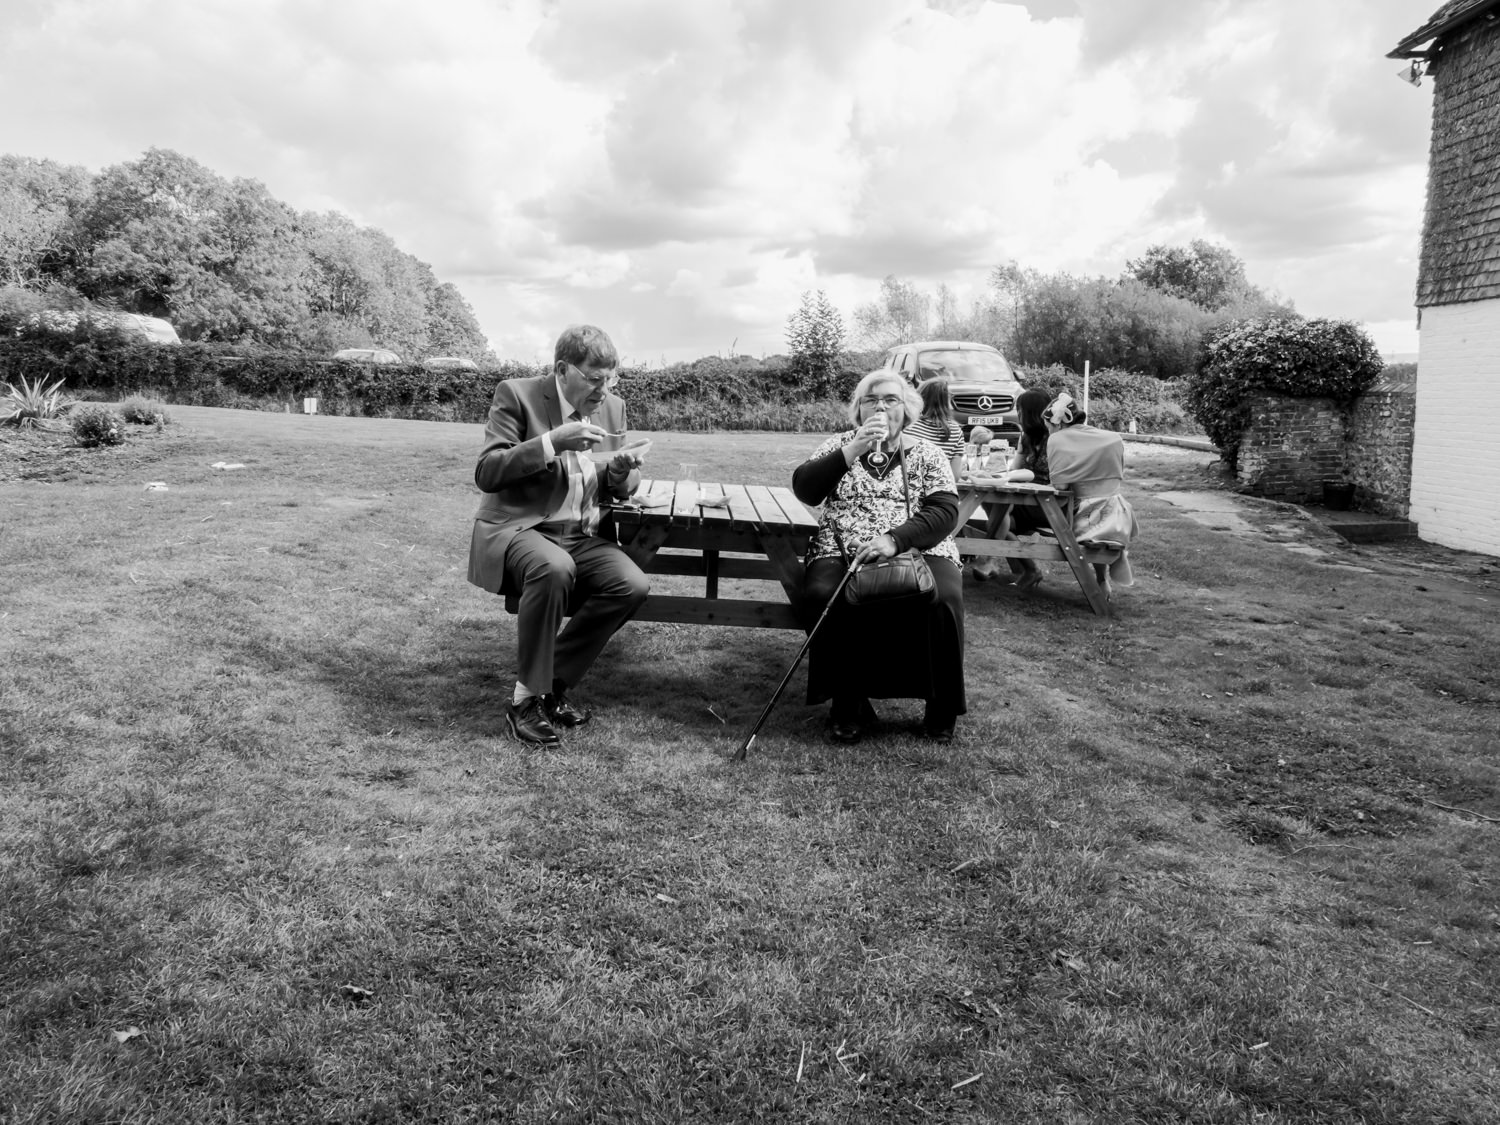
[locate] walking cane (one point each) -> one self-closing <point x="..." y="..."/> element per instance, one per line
<point x="766" y="714"/>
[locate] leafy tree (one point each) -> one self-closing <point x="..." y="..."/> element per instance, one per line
<point x="1006" y="311"/>
<point x="364" y="290"/>
<point x="452" y="327"/>
<point x="222" y="259"/>
<point x="38" y="202"/>
<point x="1284" y="355"/>
<point x="899" y="317"/>
<point x="155" y="238"/>
<point x="1068" y="320"/>
<point x="815" y="335"/>
<point x="1209" y="276"/>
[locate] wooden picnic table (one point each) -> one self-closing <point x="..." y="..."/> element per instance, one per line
<point x="716" y="531"/>
<point x="992" y="493"/>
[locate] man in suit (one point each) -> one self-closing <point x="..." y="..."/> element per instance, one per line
<point x="535" y="533"/>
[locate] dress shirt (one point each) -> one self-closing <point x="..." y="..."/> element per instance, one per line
<point x="580" y="509"/>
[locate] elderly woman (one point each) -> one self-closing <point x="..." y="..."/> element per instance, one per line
<point x="882" y="492"/>
<point x="1091" y="462"/>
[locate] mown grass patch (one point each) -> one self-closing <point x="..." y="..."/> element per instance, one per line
<point x="264" y="852"/>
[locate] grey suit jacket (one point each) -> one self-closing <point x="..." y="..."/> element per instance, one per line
<point x="521" y="489"/>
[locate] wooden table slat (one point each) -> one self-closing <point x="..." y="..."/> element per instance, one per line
<point x="741" y="509"/>
<point x="795" y="512"/>
<point x="768" y="512"/>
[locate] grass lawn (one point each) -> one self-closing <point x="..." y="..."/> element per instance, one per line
<point x="265" y="854"/>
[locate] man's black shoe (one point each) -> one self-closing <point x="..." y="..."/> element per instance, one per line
<point x="563" y="713"/>
<point x="528" y="723"/>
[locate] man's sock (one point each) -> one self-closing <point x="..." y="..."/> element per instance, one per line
<point x="521" y="694"/>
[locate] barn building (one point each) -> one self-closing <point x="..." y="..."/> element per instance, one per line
<point x="1455" y="470"/>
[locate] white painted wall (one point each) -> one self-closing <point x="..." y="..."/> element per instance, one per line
<point x="1455" y="458"/>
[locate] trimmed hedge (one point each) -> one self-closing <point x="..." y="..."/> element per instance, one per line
<point x="1333" y="359"/>
<point x="1116" y="398"/>
<point x="95" y="366"/>
<point x="712" y="393"/>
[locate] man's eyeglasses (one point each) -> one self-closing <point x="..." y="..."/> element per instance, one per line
<point x="605" y="378"/>
<point x="886" y="401"/>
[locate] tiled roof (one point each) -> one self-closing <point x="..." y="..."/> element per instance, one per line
<point x="1445" y="19"/>
<point x="1461" y="224"/>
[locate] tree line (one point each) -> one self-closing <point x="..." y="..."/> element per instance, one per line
<point x="222" y="259"/>
<point x="1154" y="319"/>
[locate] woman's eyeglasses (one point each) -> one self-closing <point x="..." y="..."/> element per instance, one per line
<point x="886" y="401"/>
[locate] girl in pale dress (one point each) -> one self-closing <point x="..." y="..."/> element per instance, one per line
<point x="1091" y="463"/>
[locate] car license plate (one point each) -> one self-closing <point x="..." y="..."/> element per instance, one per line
<point x="987" y="420"/>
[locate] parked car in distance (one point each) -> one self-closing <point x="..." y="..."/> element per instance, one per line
<point x="366" y="355"/>
<point x="983" y="386"/>
<point x="433" y="363"/>
<point x="147" y="329"/>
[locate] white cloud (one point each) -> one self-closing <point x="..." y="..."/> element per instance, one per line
<point x="680" y="171"/>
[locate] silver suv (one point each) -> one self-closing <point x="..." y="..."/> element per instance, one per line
<point x="983" y="385"/>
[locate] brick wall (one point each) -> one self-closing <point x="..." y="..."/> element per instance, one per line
<point x="1293" y="445"/>
<point x="1455" y="474"/>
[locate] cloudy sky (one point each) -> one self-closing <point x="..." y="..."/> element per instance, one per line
<point x="681" y="171"/>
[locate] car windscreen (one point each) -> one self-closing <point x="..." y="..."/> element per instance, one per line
<point x="966" y="367"/>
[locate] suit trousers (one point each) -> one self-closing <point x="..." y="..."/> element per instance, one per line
<point x="585" y="576"/>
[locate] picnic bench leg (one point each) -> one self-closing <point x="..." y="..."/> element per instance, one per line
<point x="711" y="573"/>
<point x="789" y="568"/>
<point x="643" y="545"/>
<point x="1062" y="527"/>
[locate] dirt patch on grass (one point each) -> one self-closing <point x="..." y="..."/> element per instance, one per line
<point x="54" y="457"/>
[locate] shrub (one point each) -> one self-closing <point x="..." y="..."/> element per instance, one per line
<point x="144" y="411"/>
<point x="98" y="425"/>
<point x="1333" y="359"/>
<point x="1116" y="397"/>
<point x="33" y="404"/>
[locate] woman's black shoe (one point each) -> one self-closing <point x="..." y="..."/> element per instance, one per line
<point x="937" y="726"/>
<point x="850" y="720"/>
<point x="848" y="733"/>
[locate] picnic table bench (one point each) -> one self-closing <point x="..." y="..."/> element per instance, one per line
<point x="975" y="492"/>
<point x="714" y="532"/>
<point x="761" y="532"/>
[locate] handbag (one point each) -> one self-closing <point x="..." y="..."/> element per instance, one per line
<point x="903" y="578"/>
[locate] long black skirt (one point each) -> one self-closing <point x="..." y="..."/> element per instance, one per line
<point x="887" y="652"/>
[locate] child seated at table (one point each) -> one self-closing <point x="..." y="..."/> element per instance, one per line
<point x="1028" y="464"/>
